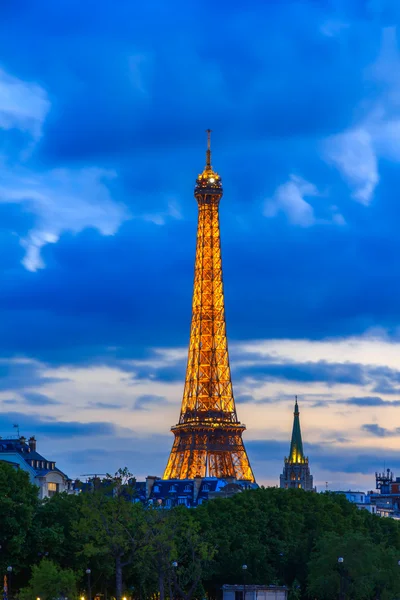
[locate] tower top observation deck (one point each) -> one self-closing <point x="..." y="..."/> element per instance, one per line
<point x="208" y="182"/>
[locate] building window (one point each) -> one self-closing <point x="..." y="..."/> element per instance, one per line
<point x="187" y="488"/>
<point x="239" y="595"/>
<point x="168" y="502"/>
<point x="172" y="488"/>
<point x="156" y="489"/>
<point x="52" y="488"/>
<point x="205" y="487"/>
<point x="299" y="485"/>
<point x="182" y="501"/>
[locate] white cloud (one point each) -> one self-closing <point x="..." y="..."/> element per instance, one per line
<point x="23" y="105"/>
<point x="356" y="152"/>
<point x="289" y="199"/>
<point x="353" y="153"/>
<point x="62" y="200"/>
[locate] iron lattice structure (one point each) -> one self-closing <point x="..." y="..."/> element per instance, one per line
<point x="208" y="438"/>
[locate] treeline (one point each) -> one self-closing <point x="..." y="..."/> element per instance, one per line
<point x="288" y="537"/>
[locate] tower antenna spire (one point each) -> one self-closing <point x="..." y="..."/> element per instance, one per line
<point x="208" y="153"/>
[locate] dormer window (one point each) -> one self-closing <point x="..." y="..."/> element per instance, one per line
<point x="187" y="488"/>
<point x="156" y="489"/>
<point x="172" y="488"/>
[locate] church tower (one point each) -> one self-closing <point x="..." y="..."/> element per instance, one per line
<point x="296" y="471"/>
<point x="208" y="438"/>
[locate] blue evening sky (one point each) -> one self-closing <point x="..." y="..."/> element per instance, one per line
<point x="103" y="108"/>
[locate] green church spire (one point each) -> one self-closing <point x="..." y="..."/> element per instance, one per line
<point x="296" y="445"/>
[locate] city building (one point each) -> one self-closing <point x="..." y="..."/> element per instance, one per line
<point x="22" y="454"/>
<point x="254" y="592"/>
<point x="296" y="470"/>
<point x="386" y="498"/>
<point x="172" y="492"/>
<point x="384" y="501"/>
<point x="208" y="438"/>
<point x="360" y="499"/>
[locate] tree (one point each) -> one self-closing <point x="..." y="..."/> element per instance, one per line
<point x="50" y="582"/>
<point x="52" y="530"/>
<point x="111" y="524"/>
<point x="368" y="570"/>
<point x="193" y="555"/>
<point x="18" y="505"/>
<point x="173" y="537"/>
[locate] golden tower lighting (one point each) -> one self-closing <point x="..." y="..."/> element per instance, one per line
<point x="208" y="438"/>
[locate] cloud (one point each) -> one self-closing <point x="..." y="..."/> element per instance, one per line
<point x="381" y="432"/>
<point x="368" y="401"/>
<point x="58" y="429"/>
<point x="63" y="200"/>
<point x="289" y="199"/>
<point x="24" y="374"/>
<point x="23" y="105"/>
<point x="36" y="399"/>
<point x="148" y="402"/>
<point x="353" y="153"/>
<point x="356" y="151"/>
<point x="334" y="458"/>
<point x="104" y="405"/>
<point x="330" y="373"/>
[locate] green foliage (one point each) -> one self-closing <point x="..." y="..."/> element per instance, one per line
<point x="53" y="526"/>
<point x="50" y="582"/>
<point x="274" y="532"/>
<point x="18" y="506"/>
<point x="368" y="570"/>
<point x="110" y="526"/>
<point x="286" y="537"/>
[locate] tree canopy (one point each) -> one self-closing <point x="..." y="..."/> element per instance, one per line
<point x="288" y="537"/>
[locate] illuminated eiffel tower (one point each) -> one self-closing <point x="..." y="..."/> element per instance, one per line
<point x="208" y="438"/>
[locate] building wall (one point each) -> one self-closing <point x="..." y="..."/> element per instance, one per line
<point x="52" y="477"/>
<point x="258" y="593"/>
<point x="297" y="476"/>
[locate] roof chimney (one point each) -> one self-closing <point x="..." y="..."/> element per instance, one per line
<point x="32" y="443"/>
<point x="150" y="481"/>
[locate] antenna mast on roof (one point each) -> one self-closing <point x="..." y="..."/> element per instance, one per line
<point x="16" y="426"/>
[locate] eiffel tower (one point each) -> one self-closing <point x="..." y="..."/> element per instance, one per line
<point x="208" y="438"/>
